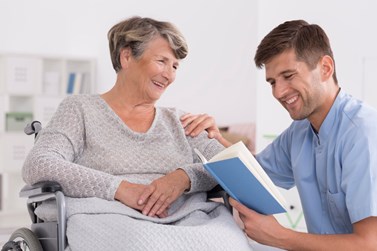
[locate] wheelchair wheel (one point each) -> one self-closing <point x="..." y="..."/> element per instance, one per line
<point x="23" y="239"/>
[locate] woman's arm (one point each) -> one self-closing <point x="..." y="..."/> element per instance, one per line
<point x="57" y="148"/>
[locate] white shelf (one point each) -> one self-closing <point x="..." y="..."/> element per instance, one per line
<point x="31" y="88"/>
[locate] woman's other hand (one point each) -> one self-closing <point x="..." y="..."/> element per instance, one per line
<point x="128" y="193"/>
<point x="162" y="192"/>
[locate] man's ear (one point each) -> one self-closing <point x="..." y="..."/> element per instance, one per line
<point x="327" y="67"/>
<point x="125" y="57"/>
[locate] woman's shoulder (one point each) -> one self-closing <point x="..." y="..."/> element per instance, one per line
<point x="80" y="100"/>
<point x="171" y="111"/>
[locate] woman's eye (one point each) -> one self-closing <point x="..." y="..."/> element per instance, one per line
<point x="288" y="76"/>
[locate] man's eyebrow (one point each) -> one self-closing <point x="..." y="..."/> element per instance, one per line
<point x="287" y="71"/>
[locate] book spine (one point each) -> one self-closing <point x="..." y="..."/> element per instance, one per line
<point x="77" y="83"/>
<point x="71" y="83"/>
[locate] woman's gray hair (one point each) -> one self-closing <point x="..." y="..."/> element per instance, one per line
<point x="136" y="32"/>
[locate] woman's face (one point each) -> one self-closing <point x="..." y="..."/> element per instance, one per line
<point x="154" y="71"/>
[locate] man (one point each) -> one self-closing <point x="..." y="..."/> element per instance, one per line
<point x="329" y="151"/>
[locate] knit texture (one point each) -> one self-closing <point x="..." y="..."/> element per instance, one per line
<point x="89" y="150"/>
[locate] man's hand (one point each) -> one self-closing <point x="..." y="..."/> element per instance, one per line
<point x="266" y="230"/>
<point x="162" y="192"/>
<point x="261" y="228"/>
<point x="195" y="124"/>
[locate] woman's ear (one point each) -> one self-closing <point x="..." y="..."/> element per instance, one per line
<point x="327" y="67"/>
<point x="125" y="57"/>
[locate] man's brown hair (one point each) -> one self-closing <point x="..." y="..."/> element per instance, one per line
<point x="309" y="42"/>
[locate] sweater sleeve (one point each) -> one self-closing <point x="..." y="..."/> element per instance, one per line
<point x="56" y="150"/>
<point x="201" y="180"/>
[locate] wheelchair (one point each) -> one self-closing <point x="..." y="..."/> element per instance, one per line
<point x="51" y="235"/>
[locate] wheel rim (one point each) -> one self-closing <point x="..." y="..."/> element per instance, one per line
<point x="26" y="240"/>
<point x="22" y="244"/>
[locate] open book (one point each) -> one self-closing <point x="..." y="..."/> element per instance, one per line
<point x="241" y="176"/>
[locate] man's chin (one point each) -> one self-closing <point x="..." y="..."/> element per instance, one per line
<point x="295" y="116"/>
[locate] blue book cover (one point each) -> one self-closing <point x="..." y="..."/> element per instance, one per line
<point x="235" y="169"/>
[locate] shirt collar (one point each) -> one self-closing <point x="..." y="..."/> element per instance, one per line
<point x="331" y="118"/>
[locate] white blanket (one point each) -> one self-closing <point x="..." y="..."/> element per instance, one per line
<point x="192" y="224"/>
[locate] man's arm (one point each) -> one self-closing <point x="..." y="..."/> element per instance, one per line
<point x="266" y="230"/>
<point x="195" y="124"/>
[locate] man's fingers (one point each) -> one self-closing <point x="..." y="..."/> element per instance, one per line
<point x="187" y="119"/>
<point x="239" y="207"/>
<point x="196" y="126"/>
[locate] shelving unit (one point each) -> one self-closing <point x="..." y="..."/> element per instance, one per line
<point x="31" y="88"/>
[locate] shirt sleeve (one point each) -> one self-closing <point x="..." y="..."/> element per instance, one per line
<point x="275" y="160"/>
<point x="359" y="172"/>
<point x="57" y="148"/>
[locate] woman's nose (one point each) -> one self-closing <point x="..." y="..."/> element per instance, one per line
<point x="169" y="73"/>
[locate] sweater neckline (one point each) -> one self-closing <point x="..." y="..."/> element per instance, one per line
<point x="123" y="124"/>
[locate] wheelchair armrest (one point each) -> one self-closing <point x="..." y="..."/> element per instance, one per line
<point x="219" y="192"/>
<point x="40" y="188"/>
<point x="41" y="192"/>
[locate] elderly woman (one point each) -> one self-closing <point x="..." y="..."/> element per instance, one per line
<point x="127" y="167"/>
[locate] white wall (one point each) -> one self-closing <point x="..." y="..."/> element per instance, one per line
<point x="351" y="27"/>
<point x="219" y="76"/>
<point x="216" y="78"/>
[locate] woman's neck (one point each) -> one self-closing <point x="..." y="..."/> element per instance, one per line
<point x="137" y="114"/>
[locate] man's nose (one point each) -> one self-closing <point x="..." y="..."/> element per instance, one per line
<point x="279" y="89"/>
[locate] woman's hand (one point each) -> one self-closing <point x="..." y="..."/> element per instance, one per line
<point x="195" y="124"/>
<point x="128" y="193"/>
<point x="162" y="192"/>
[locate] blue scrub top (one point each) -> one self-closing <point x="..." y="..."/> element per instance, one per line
<point x="335" y="171"/>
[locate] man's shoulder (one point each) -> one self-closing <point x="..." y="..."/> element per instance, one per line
<point x="357" y="112"/>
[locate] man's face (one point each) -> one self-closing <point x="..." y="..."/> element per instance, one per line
<point x="295" y="86"/>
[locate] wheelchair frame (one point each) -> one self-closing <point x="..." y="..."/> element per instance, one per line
<point x="51" y="235"/>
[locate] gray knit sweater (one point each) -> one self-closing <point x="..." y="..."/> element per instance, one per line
<point x="89" y="150"/>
